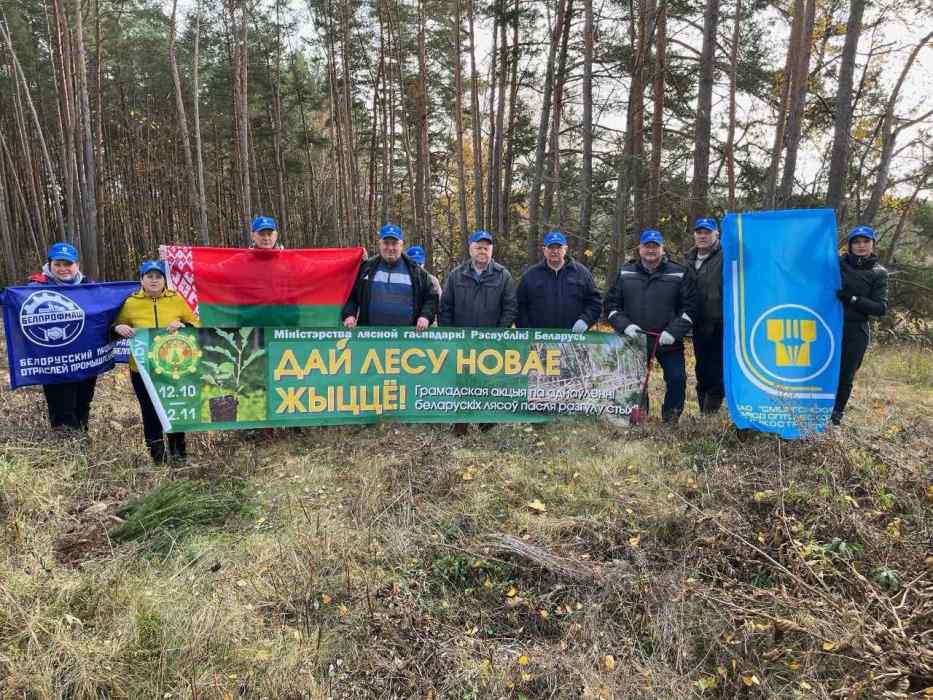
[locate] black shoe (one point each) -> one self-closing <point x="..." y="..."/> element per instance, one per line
<point x="836" y="418"/>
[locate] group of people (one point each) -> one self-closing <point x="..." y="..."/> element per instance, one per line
<point x="650" y="295"/>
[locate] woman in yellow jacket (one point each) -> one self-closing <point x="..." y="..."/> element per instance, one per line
<point x="154" y="306"/>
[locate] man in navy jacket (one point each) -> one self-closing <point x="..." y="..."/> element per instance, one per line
<point x="558" y="292"/>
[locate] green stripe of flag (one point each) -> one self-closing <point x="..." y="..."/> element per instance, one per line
<point x="303" y="315"/>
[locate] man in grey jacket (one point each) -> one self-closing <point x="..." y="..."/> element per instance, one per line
<point x="479" y="293"/>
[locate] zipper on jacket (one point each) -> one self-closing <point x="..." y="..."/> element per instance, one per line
<point x="155" y="310"/>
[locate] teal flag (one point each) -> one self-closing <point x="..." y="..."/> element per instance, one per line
<point x="782" y="321"/>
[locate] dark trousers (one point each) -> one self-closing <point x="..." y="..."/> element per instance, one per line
<point x="70" y="403"/>
<point x="152" y="427"/>
<point x="707" y="346"/>
<point x="675" y="380"/>
<point x="854" y="345"/>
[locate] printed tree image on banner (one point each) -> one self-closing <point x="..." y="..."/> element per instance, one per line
<point x="216" y="378"/>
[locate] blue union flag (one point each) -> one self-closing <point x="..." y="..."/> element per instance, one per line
<point x="782" y="321"/>
<point x="61" y="333"/>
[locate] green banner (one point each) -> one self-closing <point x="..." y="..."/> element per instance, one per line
<point x="225" y="379"/>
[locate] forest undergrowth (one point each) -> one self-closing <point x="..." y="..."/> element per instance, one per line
<point x="566" y="560"/>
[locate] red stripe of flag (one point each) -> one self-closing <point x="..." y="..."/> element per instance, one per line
<point x="252" y="276"/>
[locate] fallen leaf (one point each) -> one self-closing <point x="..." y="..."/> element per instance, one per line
<point x="751" y="680"/>
<point x="634" y="540"/>
<point x="537" y="506"/>
<point x="512" y="592"/>
<point x="609" y="662"/>
<point x="325" y="599"/>
<point x="522" y="660"/>
<point x="468" y="475"/>
<point x="829" y="646"/>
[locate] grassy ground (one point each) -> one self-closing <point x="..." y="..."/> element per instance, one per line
<point x="568" y="561"/>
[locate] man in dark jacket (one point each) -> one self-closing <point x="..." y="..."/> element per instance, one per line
<point x="704" y="262"/>
<point x="656" y="296"/>
<point x="479" y="292"/>
<point x="391" y="289"/>
<point x="864" y="293"/>
<point x="557" y="292"/>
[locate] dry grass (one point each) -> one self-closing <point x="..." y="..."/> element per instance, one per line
<point x="567" y="561"/>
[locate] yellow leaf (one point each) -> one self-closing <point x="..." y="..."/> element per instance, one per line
<point x="537" y="506"/>
<point x="829" y="646"/>
<point x="468" y="475"/>
<point x="634" y="540"/>
<point x="805" y="685"/>
<point x="751" y="680"/>
<point x="721" y="670"/>
<point x="544" y="614"/>
<point x="793" y="665"/>
<point x="325" y="599"/>
<point x="343" y="610"/>
<point x="512" y="592"/>
<point x="522" y="660"/>
<point x="929" y="498"/>
<point x="609" y="662"/>
<point x="526" y="676"/>
<point x="487" y="583"/>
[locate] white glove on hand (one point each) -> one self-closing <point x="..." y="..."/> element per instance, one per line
<point x="631" y="330"/>
<point x="666" y="338"/>
<point x="580" y="326"/>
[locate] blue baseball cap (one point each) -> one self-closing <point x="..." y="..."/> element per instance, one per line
<point x="554" y="238"/>
<point x="150" y="265"/>
<point x="263" y="223"/>
<point x="709" y="224"/>
<point x="391" y="231"/>
<point x="63" y="251"/>
<point x="866" y="231"/>
<point x="416" y="253"/>
<point x="651" y="236"/>
<point x="480" y="235"/>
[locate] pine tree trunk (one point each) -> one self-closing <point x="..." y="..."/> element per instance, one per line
<point x="729" y="152"/>
<point x="182" y="116"/>
<point x="839" y="160"/>
<point x="534" y="196"/>
<point x="701" y="141"/>
<point x="798" y="101"/>
<point x="552" y="179"/>
<point x="475" y="119"/>
<point x="786" y="88"/>
<point x="586" y="174"/>
<point x="196" y="98"/>
<point x="458" y="122"/>
<point x="657" y="116"/>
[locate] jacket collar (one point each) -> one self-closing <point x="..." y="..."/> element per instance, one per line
<point x="140" y="294"/>
<point x="864" y="263"/>
<point x="695" y="253"/>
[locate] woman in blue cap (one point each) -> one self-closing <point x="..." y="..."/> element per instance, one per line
<point x="864" y="293"/>
<point x="69" y="403"/>
<point x="154" y="306"/>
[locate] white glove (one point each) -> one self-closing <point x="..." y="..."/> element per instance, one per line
<point x="666" y="338"/>
<point x="631" y="330"/>
<point x="580" y="326"/>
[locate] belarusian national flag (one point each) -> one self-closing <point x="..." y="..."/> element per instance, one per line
<point x="230" y="287"/>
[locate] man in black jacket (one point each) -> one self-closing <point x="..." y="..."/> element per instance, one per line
<point x="655" y="295"/>
<point x="864" y="293"/>
<point x="704" y="263"/>
<point x="478" y="292"/>
<point x="391" y="289"/>
<point x="557" y="292"/>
